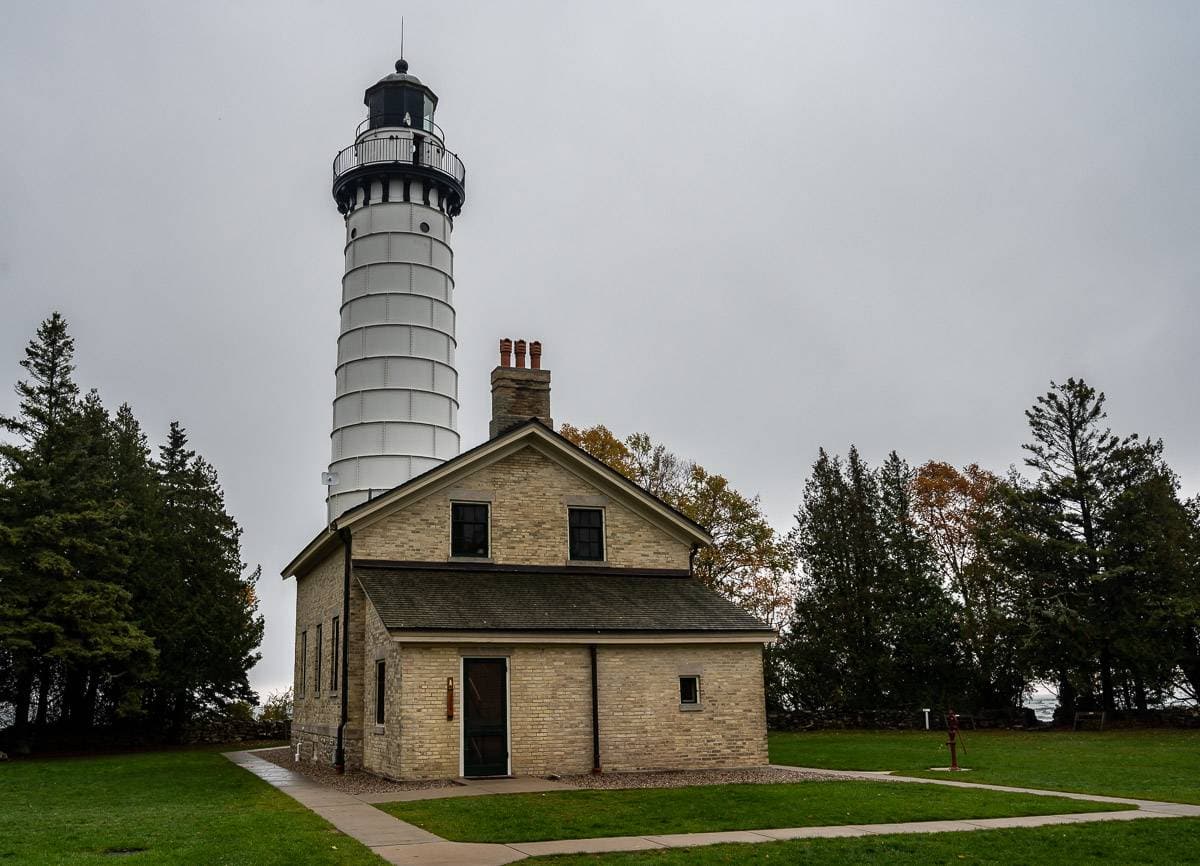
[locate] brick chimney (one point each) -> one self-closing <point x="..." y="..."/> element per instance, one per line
<point x="519" y="392"/>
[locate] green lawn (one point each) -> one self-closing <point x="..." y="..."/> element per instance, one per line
<point x="649" y="811"/>
<point x="188" y="807"/>
<point x="1148" y="764"/>
<point x="1130" y="843"/>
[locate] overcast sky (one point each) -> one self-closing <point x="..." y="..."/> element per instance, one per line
<point x="747" y="229"/>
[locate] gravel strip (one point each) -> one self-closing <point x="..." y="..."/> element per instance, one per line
<point x="684" y="778"/>
<point x="352" y="782"/>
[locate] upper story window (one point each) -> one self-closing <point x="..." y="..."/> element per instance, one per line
<point x="586" y="533"/>
<point x="469" y="529"/>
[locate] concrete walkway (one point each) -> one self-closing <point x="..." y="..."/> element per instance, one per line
<point x="398" y="842"/>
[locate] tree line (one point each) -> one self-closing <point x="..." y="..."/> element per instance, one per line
<point x="123" y="596"/>
<point x="901" y="587"/>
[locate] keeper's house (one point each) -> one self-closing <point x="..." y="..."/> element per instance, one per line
<point x="520" y="609"/>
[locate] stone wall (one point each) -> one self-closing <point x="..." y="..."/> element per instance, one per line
<point x="529" y="494"/>
<point x="381" y="743"/>
<point x="897" y="720"/>
<point x="317" y="707"/>
<point x="642" y="725"/>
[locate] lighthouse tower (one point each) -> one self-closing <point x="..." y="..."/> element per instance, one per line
<point x="395" y="411"/>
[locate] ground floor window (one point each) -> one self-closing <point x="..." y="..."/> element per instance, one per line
<point x="380" y="690"/>
<point x="689" y="692"/>
<point x="300" y="686"/>
<point x="334" y="647"/>
<point x="317" y="678"/>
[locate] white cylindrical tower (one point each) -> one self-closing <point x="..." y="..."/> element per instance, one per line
<point x="395" y="410"/>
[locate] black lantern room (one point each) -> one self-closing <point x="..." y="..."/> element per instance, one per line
<point x="401" y="99"/>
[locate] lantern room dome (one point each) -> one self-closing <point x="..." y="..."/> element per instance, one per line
<point x="401" y="74"/>
<point x="401" y="99"/>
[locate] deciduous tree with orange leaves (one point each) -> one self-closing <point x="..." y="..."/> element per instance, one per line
<point x="748" y="562"/>
<point x="959" y="511"/>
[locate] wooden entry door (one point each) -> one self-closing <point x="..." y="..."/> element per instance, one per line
<point x="485" y="717"/>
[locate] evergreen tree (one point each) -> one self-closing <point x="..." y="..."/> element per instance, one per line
<point x="872" y="626"/>
<point x="208" y="629"/>
<point x="926" y="657"/>
<point x="1104" y="554"/>
<point x="61" y="615"/>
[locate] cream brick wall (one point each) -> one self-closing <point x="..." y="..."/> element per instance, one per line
<point x="381" y="743"/>
<point x="528" y="521"/>
<point x="641" y="723"/>
<point x="318" y="711"/>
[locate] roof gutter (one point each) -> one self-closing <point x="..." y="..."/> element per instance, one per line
<point x="595" y="714"/>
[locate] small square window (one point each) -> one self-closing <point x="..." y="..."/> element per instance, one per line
<point x="468" y="529"/>
<point x="586" y="533"/>
<point x="689" y="691"/>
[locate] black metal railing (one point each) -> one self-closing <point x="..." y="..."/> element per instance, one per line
<point x="403" y="120"/>
<point x="381" y="151"/>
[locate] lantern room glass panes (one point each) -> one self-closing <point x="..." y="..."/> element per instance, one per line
<point x="469" y="529"/>
<point x="586" y="534"/>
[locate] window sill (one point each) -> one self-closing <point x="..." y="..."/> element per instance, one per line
<point x="690" y="708"/>
<point x="380" y="731"/>
<point x="332" y="695"/>
<point x="481" y="559"/>
<point x="597" y="563"/>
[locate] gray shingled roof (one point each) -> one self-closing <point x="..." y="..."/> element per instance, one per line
<point x="459" y="600"/>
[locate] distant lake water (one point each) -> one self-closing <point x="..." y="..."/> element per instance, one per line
<point x="1042" y="703"/>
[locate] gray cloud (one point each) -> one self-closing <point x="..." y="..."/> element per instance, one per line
<point x="749" y="230"/>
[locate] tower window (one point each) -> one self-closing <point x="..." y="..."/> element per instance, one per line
<point x="586" y="526"/>
<point x="353" y="233"/>
<point x="425" y="227"/>
<point x="468" y="529"/>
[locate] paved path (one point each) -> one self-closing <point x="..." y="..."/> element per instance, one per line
<point x="398" y="842"/>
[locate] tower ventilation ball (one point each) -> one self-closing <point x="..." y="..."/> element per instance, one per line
<point x="402" y="66"/>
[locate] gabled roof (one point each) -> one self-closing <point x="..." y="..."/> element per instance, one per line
<point x="424" y="598"/>
<point x="532" y="433"/>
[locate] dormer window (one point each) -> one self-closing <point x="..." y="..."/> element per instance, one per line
<point x="586" y="527"/>
<point x="469" y="529"/>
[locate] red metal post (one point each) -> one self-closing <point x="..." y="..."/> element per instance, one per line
<point x="952" y="727"/>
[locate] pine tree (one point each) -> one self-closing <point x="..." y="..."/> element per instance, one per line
<point x="1101" y="547"/>
<point x="207" y="627"/>
<point x="63" y="615"/>
<point x="872" y="627"/>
